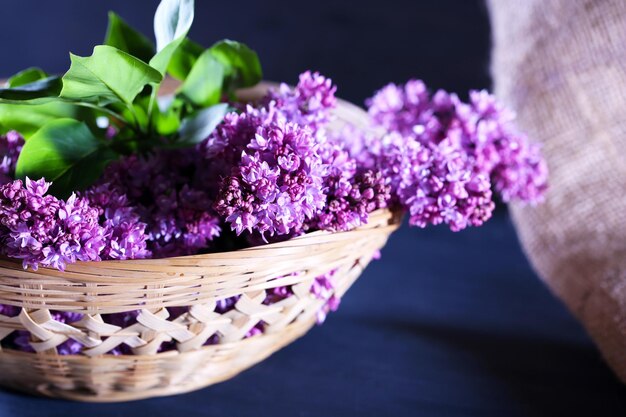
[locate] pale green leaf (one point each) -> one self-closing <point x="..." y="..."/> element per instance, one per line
<point x="203" y="85"/>
<point x="108" y="75"/>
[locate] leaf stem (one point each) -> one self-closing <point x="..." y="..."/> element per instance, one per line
<point x="137" y="125"/>
<point x="153" y="95"/>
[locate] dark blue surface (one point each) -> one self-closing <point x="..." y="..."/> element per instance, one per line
<point x="360" y="44"/>
<point x="443" y="325"/>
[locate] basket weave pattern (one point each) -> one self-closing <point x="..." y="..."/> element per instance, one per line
<point x="154" y="285"/>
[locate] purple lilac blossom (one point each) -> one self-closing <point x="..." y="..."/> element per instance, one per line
<point x="253" y="195"/>
<point x="350" y="200"/>
<point x="482" y="128"/>
<point x="309" y="103"/>
<point x="323" y="287"/>
<point x="277" y="185"/>
<point x="122" y="204"/>
<point x="42" y="230"/>
<point x="124" y="232"/>
<point x="166" y="196"/>
<point x="10" y="147"/>
<point x="435" y="182"/>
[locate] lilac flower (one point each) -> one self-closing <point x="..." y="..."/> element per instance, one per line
<point x="350" y="200"/>
<point x="22" y="341"/>
<point x="235" y="132"/>
<point x="162" y="189"/>
<point x="43" y="230"/>
<point x="522" y="173"/>
<point x="10" y="147"/>
<point x="67" y="317"/>
<point x="435" y="182"/>
<point x="482" y="129"/>
<point x="226" y="304"/>
<point x="309" y="103"/>
<point x="517" y="167"/>
<point x="323" y="287"/>
<point x="256" y="330"/>
<point x="125" y="233"/>
<point x="9" y="311"/>
<point x="277" y="294"/>
<point x="278" y="183"/>
<point x="252" y="196"/>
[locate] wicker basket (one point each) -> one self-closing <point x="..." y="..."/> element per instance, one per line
<point x="153" y="286"/>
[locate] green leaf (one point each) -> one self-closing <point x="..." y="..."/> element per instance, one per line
<point x="242" y="65"/>
<point x="172" y="21"/>
<point x="26" y="76"/>
<point x="162" y="59"/>
<point x="184" y="59"/>
<point x="200" y="125"/>
<point x="28" y="119"/>
<point x="167" y="120"/>
<point x="107" y="76"/>
<point x="36" y="92"/>
<point x="203" y="86"/>
<point x="167" y="123"/>
<point x="123" y="37"/>
<point x="66" y="152"/>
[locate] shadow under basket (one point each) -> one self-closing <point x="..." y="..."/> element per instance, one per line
<point x="155" y="285"/>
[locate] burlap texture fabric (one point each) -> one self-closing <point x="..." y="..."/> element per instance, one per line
<point x="561" y="65"/>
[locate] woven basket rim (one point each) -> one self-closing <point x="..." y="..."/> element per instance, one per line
<point x="119" y="286"/>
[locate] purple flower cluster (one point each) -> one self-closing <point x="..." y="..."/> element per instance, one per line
<point x="278" y="184"/>
<point x="441" y="156"/>
<point x="351" y="199"/>
<point x="435" y="182"/>
<point x="10" y="148"/>
<point x="269" y="170"/>
<point x="42" y="230"/>
<point x="482" y="129"/>
<point x="323" y="287"/>
<point x="288" y="177"/>
<point x="165" y="194"/>
<point x="125" y="236"/>
<point x="309" y="103"/>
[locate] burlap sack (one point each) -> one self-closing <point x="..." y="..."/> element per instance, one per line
<point x="561" y="64"/>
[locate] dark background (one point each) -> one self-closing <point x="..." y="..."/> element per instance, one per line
<point x="361" y="45"/>
<point x="445" y="324"/>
